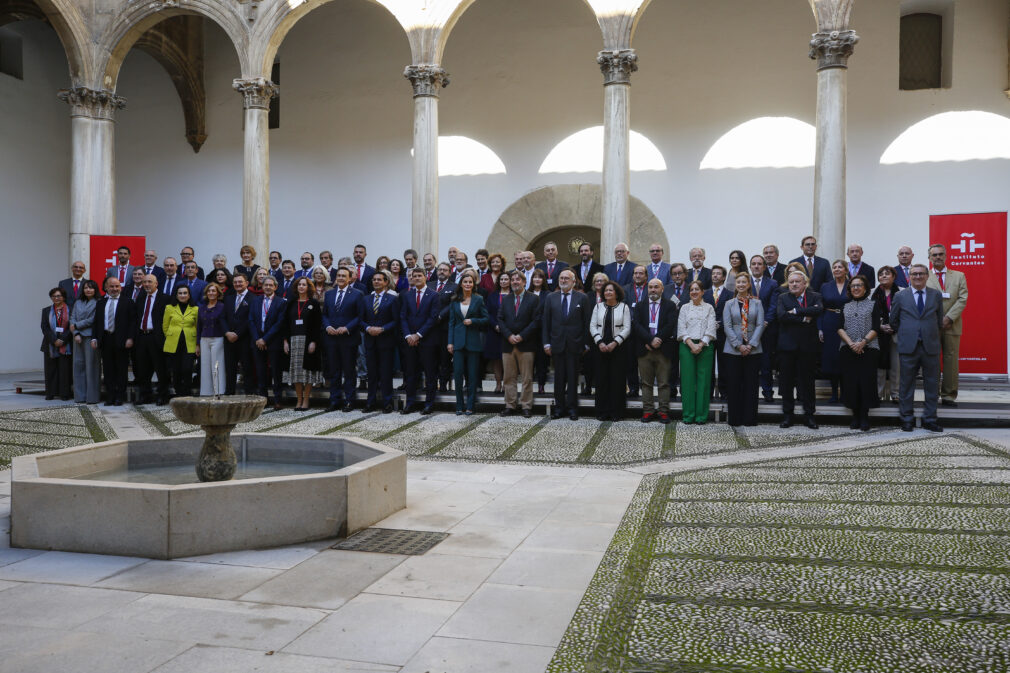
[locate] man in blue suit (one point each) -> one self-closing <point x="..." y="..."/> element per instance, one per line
<point x="237" y="343"/>
<point x="266" y="317"/>
<point x="419" y="310"/>
<point x="342" y="308"/>
<point x="903" y="267"/>
<point x="917" y="320"/>
<point x="766" y="289"/>
<point x="191" y="280"/>
<point x="380" y="312"/>
<point x="621" y="270"/>
<point x="552" y="266"/>
<point x="657" y="268"/>
<point x="818" y="269"/>
<point x="676" y="286"/>
<point x="308" y="261"/>
<point x="364" y="271"/>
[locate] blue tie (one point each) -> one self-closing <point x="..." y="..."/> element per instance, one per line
<point x="919" y="302"/>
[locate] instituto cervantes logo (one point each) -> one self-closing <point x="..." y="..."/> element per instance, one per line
<point x="966" y="252"/>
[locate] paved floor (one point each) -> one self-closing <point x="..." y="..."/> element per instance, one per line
<point x="526" y="567"/>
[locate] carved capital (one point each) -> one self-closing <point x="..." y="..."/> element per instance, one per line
<point x="426" y="79"/>
<point x="86" y="102"/>
<point x="617" y="65"/>
<point x="256" y="93"/>
<point x="833" y="49"/>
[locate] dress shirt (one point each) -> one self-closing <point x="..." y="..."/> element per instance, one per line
<point x="239" y="298"/>
<point x="854" y="269"/>
<point x="756" y="282"/>
<point x="171" y="282"/>
<point x="110" y="314"/>
<point x="149" y="312"/>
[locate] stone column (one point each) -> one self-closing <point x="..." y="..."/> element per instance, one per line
<point x="426" y="81"/>
<point x="92" y="172"/>
<point x="256" y="95"/>
<point x="617" y="66"/>
<point x="832" y="51"/>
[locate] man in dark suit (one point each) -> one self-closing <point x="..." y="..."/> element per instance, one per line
<point x="775" y="271"/>
<point x="275" y="265"/>
<point x="565" y="321"/>
<point x="308" y="261"/>
<point x="430" y="267"/>
<point x="286" y="284"/>
<point x="676" y="286"/>
<point x="380" y="313"/>
<point x="195" y="285"/>
<point x="654" y="326"/>
<point x="237" y="343"/>
<point x="151" y="267"/>
<point x="551" y="266"/>
<point x="716" y="297"/>
<point x="115" y="326"/>
<point x="698" y="272"/>
<point x="341" y="337"/>
<point x="326" y="261"/>
<point x="588" y="268"/>
<point x="767" y="290"/>
<point x="363" y="270"/>
<point x="797" y="312"/>
<point x="185" y="257"/>
<point x="419" y="310"/>
<point x="519" y="320"/>
<point x="818" y="269"/>
<point x="149" y="356"/>
<point x="657" y="268"/>
<point x="857" y="267"/>
<point x="173" y="278"/>
<point x="444" y="288"/>
<point x="635" y="292"/>
<point x="72" y="286"/>
<point x="124" y="270"/>
<point x="621" y="270"/>
<point x="917" y="320"/>
<point x="266" y="320"/>
<point x="135" y="286"/>
<point x="903" y="267"/>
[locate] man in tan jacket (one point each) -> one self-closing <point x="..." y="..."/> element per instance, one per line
<point x="954" y="289"/>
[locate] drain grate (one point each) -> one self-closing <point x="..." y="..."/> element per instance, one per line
<point x="392" y="541"/>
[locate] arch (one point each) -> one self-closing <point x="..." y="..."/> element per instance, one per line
<point x="764" y="142"/>
<point x="582" y="152"/>
<point x="952" y="136"/>
<point x="551" y="208"/>
<point x="460" y="155"/>
<point x="127" y="28"/>
<point x="64" y="19"/>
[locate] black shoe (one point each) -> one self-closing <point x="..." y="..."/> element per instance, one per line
<point x="527" y="413"/>
<point x="426" y="411"/>
<point x="932" y="427"/>
<point x="633" y="395"/>
<point x="864" y="425"/>
<point x="348" y="407"/>
<point x="556" y="414"/>
<point x="409" y="409"/>
<point x="948" y="403"/>
<point x="162" y="401"/>
<point x="573" y="416"/>
<point x="506" y="412"/>
<point x="907" y="426"/>
<point x="334" y="407"/>
<point x="810" y="422"/>
<point x="118" y="403"/>
<point x="787" y="422"/>
<point x="769" y="398"/>
<point x="388" y="409"/>
<point x="402" y="386"/>
<point x="369" y="408"/>
<point x="854" y="425"/>
<point x="363" y="384"/>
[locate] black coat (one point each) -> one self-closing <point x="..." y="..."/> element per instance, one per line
<point x="158" y="304"/>
<point x="794" y="333"/>
<point x="571" y="332"/>
<point x="312" y="317"/>
<point x="126" y="321"/>
<point x="666" y="328"/>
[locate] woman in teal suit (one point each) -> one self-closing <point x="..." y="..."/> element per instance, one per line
<point x="467" y="319"/>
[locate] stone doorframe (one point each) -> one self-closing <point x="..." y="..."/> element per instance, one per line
<point x="548" y="208"/>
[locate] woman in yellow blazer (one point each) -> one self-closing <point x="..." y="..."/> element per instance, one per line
<point x="181" y="346"/>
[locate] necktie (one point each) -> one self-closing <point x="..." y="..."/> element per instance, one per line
<point x="757" y="286"/>
<point x="266" y="309"/>
<point x="803" y="300"/>
<point x="619" y="267"/>
<point x="147" y="313"/>
<point x="168" y="286"/>
<point x="695" y="275"/>
<point x="147" y="270"/>
<point x="638" y="294"/>
<point x="810" y="267"/>
<point x="77" y="284"/>
<point x="287" y="284"/>
<point x="122" y="274"/>
<point x="653" y="312"/>
<point x="110" y="315"/>
<point x="564" y="305"/>
<point x="375" y="304"/>
<point x="238" y="302"/>
<point x="943" y="286"/>
<point x="655" y="270"/>
<point x="550" y="269"/>
<point x="919" y="302"/>
<point x="518" y="301"/>
<point x="359" y="273"/>
<point x="136" y="291"/>
<point x="417" y="296"/>
<point x="440" y="286"/>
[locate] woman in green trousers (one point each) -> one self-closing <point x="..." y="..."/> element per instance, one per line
<point x="696" y="332"/>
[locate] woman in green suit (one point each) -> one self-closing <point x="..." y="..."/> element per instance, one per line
<point x="467" y="319"/>
<point x="180" y="339"/>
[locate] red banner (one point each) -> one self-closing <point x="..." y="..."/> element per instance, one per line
<point x="977" y="247"/>
<point x="103" y="254"/>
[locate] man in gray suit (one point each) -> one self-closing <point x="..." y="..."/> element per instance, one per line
<point x="917" y="319"/>
<point x="123" y="271"/>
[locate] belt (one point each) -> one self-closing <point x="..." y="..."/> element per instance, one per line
<point x="834" y="310"/>
<point x="147" y="331"/>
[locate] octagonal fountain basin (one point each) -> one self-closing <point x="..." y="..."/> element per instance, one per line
<point x="142" y="497"/>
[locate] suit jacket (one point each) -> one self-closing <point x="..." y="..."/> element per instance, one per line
<point x="629" y="294"/>
<point x="626" y="275"/>
<point x="177" y="324"/>
<point x="794" y="333"/>
<point x="669" y="292"/>
<point x="732" y="325"/>
<point x="552" y="280"/>
<point x="415" y="319"/>
<point x="365" y="277"/>
<point x="910" y="328"/>
<point x="822" y="270"/>
<point x="67" y="285"/>
<point x="704" y="276"/>
<point x="125" y="321"/>
<point x="113" y="272"/>
<point x="778" y="275"/>
<point x="666" y="328"/>
<point x="270" y="329"/>
<point x="289" y="292"/>
<point x="157" y="272"/>
<point x="867" y="272"/>
<point x="168" y="292"/>
<point x="448" y="289"/>
<point x="900" y="277"/>
<point x="276" y="273"/>
<point x="158" y="304"/>
<point x="525" y="322"/>
<point x="957" y="287"/>
<point x="238" y="318"/>
<point x="196" y="288"/>
<point x="718" y="303"/>
<point x="587" y="282"/>
<point x="569" y="332"/>
<point x="663" y="273"/>
<point x="348" y="315"/>
<point x="386" y="317"/>
<point x="468" y="337"/>
<point x="49" y="336"/>
<point x="769" y="296"/>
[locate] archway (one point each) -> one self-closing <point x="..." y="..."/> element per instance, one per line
<point x="564" y="213"/>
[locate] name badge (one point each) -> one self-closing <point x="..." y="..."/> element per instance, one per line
<point x="299" y="322"/>
<point x="59" y="329"/>
<point x="945" y="295"/>
<point x="653" y="324"/>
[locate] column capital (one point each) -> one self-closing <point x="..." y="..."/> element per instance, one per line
<point x="426" y="79"/>
<point x="256" y="92"/>
<point x="617" y="65"/>
<point x="85" y="102"/>
<point x="832" y="49"/>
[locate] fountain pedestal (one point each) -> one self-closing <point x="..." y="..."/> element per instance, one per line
<point x="218" y="416"/>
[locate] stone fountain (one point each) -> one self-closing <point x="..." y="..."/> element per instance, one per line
<point x="139" y="497"/>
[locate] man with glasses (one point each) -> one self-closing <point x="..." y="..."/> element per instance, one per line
<point x="657" y="268"/>
<point x="185" y="257"/>
<point x="953" y="290"/>
<point x="917" y="318"/>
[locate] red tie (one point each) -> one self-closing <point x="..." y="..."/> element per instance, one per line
<point x="147" y="312"/>
<point x="440" y="286"/>
<point x="519" y="299"/>
<point x="359" y="272"/>
<point x="122" y="274"/>
<point x="417" y="293"/>
<point x="803" y="300"/>
<point x="550" y="269"/>
<point x="77" y="284"/>
<point x="939" y="275"/>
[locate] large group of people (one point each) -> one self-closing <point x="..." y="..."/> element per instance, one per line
<point x="624" y="329"/>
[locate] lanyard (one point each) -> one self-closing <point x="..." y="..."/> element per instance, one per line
<point x="299" y="307"/>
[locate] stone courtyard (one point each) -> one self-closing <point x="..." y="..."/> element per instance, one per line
<point x="579" y="546"/>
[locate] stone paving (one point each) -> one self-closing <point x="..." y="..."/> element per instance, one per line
<point x="579" y="546"/>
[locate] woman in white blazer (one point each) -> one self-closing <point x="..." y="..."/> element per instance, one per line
<point x="610" y="327"/>
<point x="743" y="319"/>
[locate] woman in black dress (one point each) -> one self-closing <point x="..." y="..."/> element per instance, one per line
<point x="887" y="364"/>
<point x="303" y="323"/>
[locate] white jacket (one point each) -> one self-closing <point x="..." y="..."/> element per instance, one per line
<point x="621" y="323"/>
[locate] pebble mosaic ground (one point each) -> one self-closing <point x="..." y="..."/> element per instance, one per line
<point x="894" y="558"/>
<point x="35" y="430"/>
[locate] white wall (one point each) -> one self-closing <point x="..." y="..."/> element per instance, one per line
<point x="523" y="78"/>
<point x="34" y="192"/>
